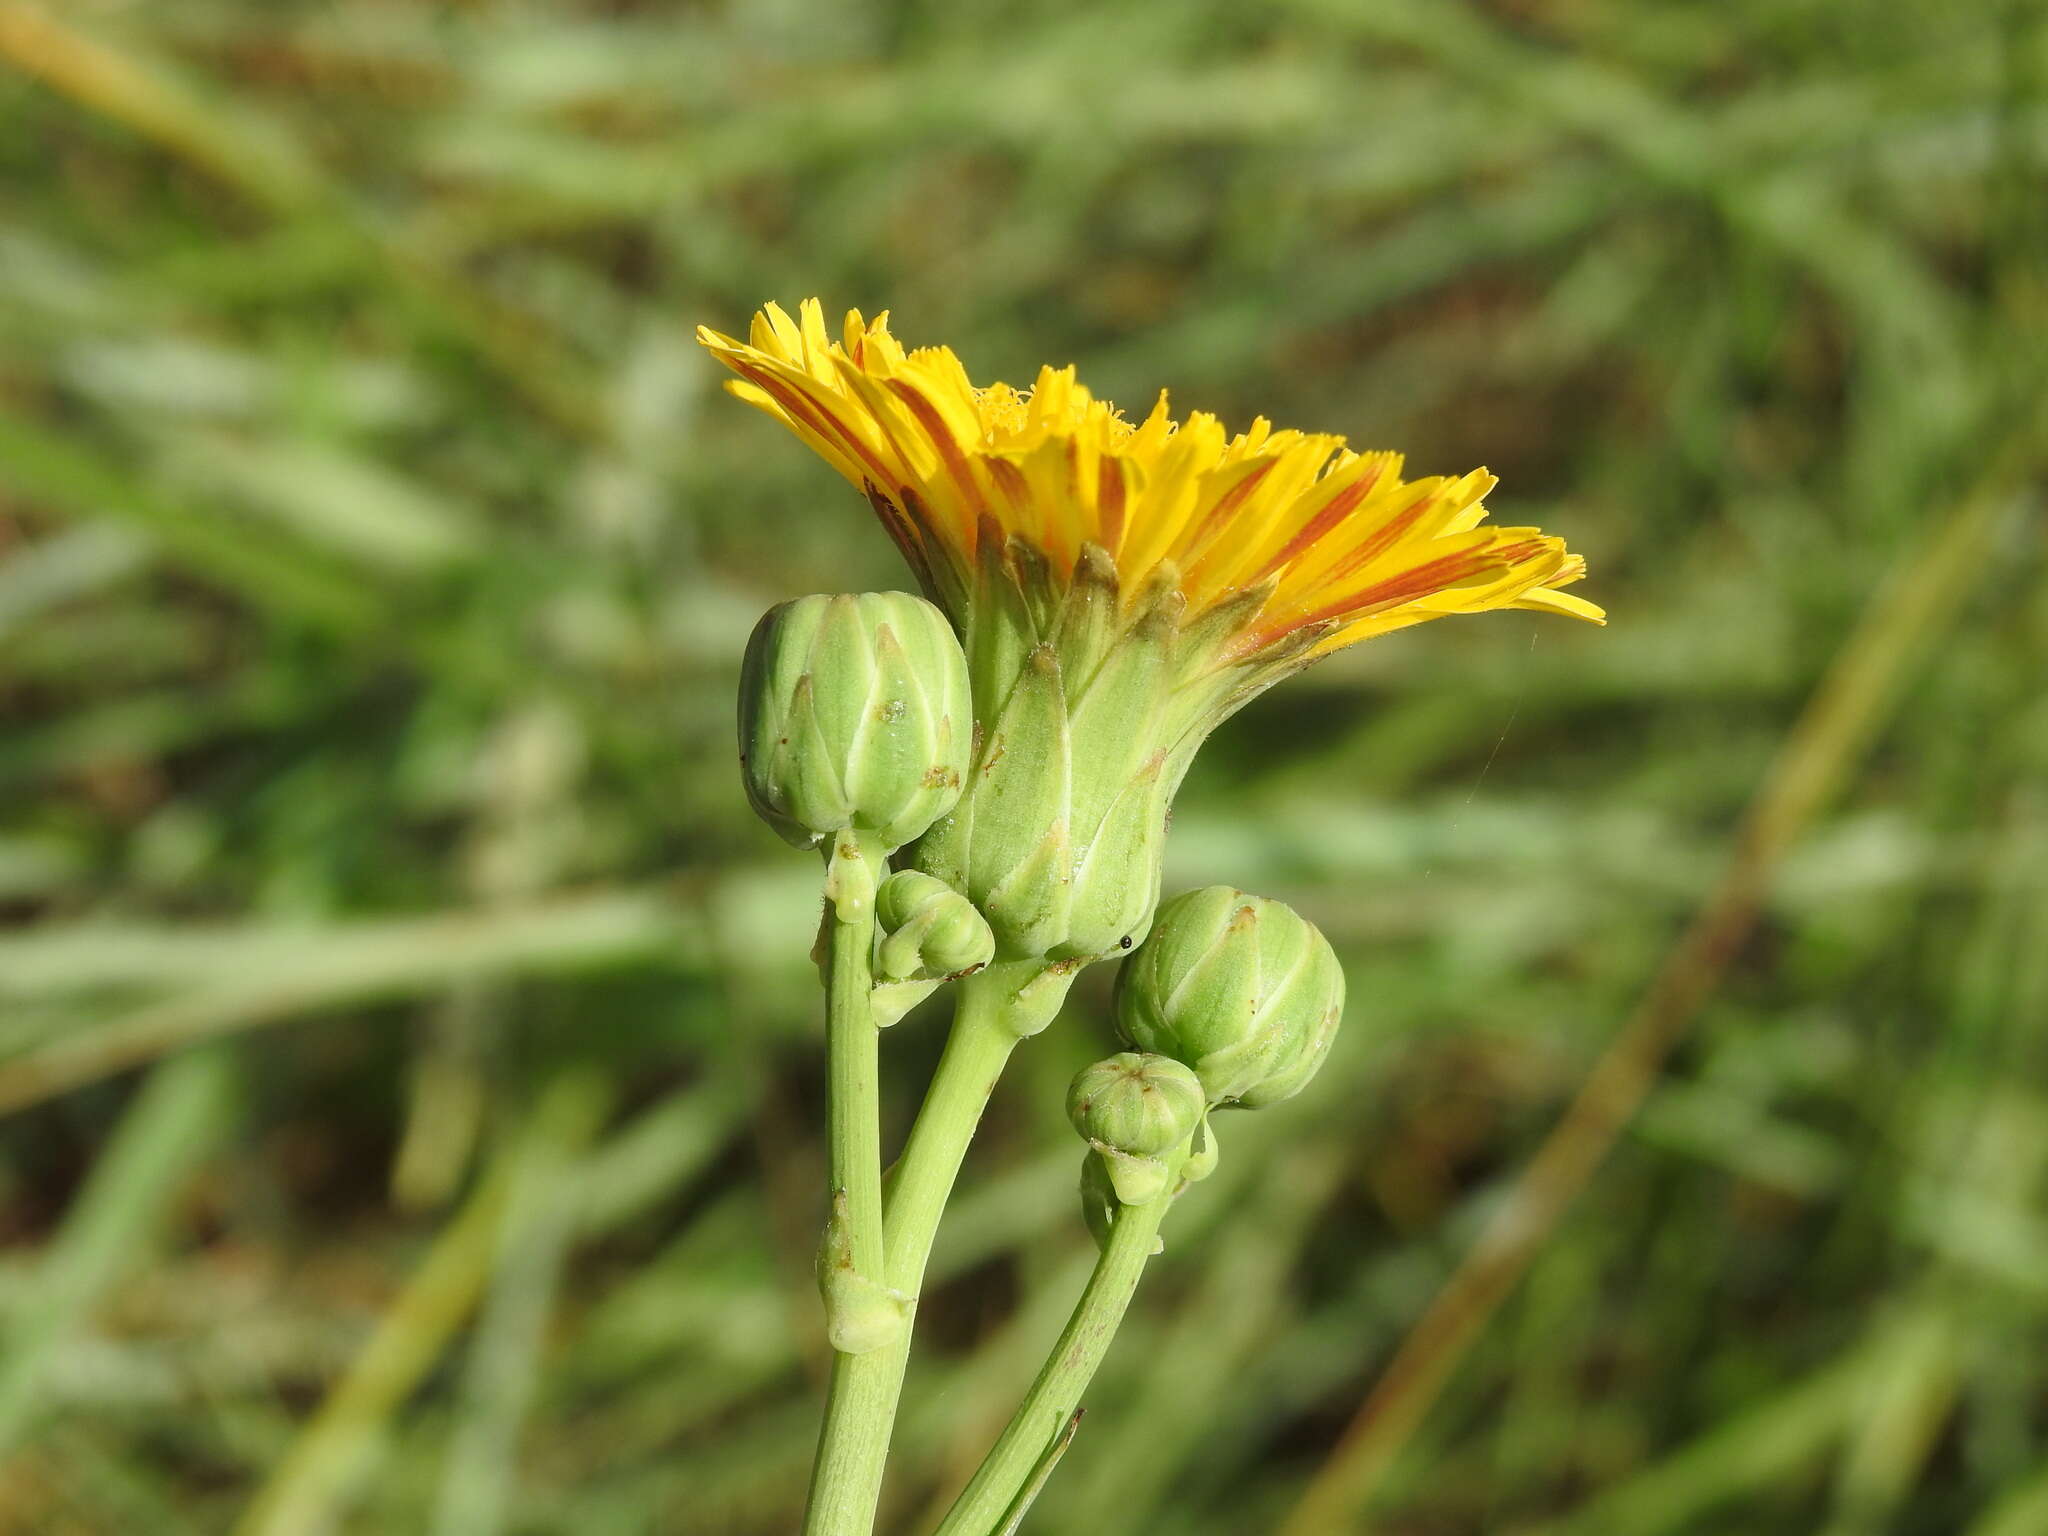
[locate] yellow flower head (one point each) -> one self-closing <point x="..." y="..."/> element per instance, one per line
<point x="1307" y="540"/>
<point x="1120" y="589"/>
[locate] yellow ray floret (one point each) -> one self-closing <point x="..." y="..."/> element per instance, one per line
<point x="1338" y="537"/>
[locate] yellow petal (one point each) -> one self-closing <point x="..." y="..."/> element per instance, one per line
<point x="1342" y="539"/>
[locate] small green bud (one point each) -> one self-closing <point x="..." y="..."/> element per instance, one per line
<point x="1143" y="1105"/>
<point x="1137" y="1111"/>
<point x="929" y="930"/>
<point x="854" y="715"/>
<point x="1244" y="990"/>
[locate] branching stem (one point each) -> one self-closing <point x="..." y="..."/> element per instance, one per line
<point x="860" y="1411"/>
<point x="1048" y="1410"/>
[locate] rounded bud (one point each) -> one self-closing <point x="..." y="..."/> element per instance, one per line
<point x="1244" y="990"/>
<point x="1140" y="1105"/>
<point x="1137" y="1113"/>
<point x="854" y="715"/>
<point x="929" y="930"/>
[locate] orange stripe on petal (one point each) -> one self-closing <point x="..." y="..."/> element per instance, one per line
<point x="1417" y="582"/>
<point x="1222" y="510"/>
<point x="1433" y="576"/>
<point x="1333" y="512"/>
<point x="1379" y="541"/>
<point x="904" y="534"/>
<point x="880" y="407"/>
<point x="942" y="439"/>
<point x="1010" y="481"/>
<point x="813" y="413"/>
<point x="1109" y="498"/>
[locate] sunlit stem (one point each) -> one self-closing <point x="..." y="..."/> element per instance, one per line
<point x="995" y="1009"/>
<point x="1047" y="1413"/>
<point x="852" y="1068"/>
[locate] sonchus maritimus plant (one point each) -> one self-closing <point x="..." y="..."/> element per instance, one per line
<point x="1117" y="590"/>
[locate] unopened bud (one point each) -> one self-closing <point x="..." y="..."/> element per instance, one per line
<point x="1137" y="1111"/>
<point x="1144" y="1105"/>
<point x="854" y="716"/>
<point x="929" y="930"/>
<point x="1245" y="991"/>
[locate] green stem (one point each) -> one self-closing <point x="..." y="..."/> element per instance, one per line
<point x="860" y="1411"/>
<point x="1049" y="1408"/>
<point x="854" y="1125"/>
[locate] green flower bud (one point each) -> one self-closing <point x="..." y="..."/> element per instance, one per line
<point x="929" y="930"/>
<point x="1244" y="990"/>
<point x="1143" y="1105"/>
<point x="854" y="715"/>
<point x="1138" y="1113"/>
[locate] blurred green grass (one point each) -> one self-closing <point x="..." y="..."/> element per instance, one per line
<point x="410" y="1055"/>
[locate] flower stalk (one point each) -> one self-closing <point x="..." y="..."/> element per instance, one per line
<point x="1048" y="1408"/>
<point x="996" y="1009"/>
<point x="1103" y="594"/>
<point x="861" y="1313"/>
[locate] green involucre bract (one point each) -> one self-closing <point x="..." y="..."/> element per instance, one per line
<point x="1091" y="701"/>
